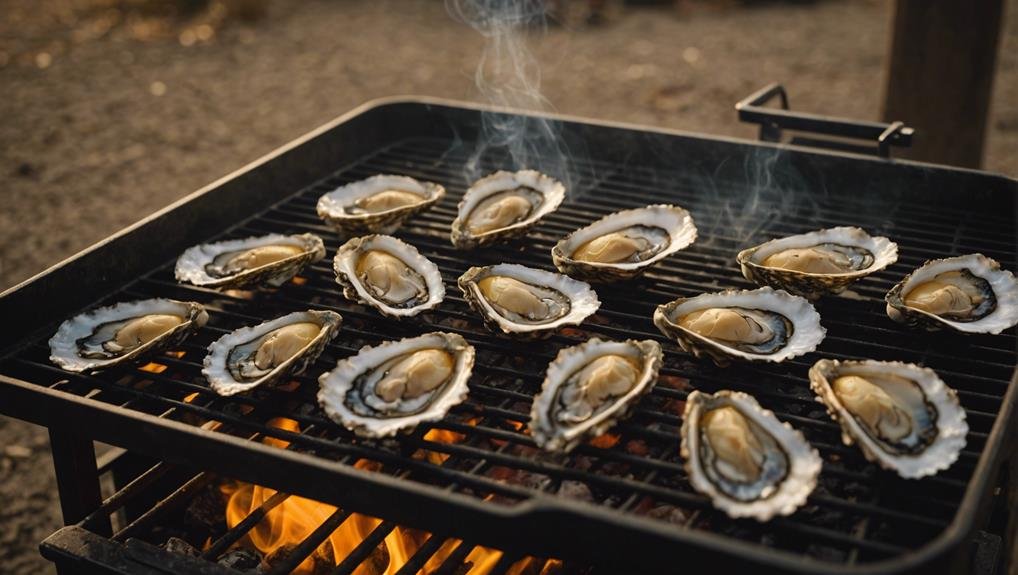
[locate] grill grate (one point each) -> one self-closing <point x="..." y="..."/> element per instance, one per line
<point x="858" y="514"/>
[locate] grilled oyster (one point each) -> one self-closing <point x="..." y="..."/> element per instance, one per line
<point x="623" y="245"/>
<point x="902" y="416"/>
<point x="379" y="204"/>
<point x="389" y="275"/>
<point x="824" y="261"/>
<point x="124" y="332"/>
<point x="267" y="260"/>
<point x="755" y="325"/>
<point x="589" y="387"/>
<point x="743" y="458"/>
<point x="525" y="301"/>
<point x="268" y="352"/>
<point x="969" y="294"/>
<point x="504" y="205"/>
<point x="397" y="385"/>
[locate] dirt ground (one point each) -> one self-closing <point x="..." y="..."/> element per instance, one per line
<point x="112" y="110"/>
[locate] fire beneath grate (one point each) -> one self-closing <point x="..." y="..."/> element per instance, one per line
<point x="858" y="514"/>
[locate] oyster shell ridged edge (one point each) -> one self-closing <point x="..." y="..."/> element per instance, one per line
<point x="335" y="383"/>
<point x="64" y="342"/>
<point x="699" y="346"/>
<point x="221" y="380"/>
<point x="330" y="209"/>
<point x="1004" y="285"/>
<point x="557" y="372"/>
<point x="353" y="290"/>
<point x="804" y="468"/>
<point x="190" y="266"/>
<point x="952" y="426"/>
<point x="681" y="237"/>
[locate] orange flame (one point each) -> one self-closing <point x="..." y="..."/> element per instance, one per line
<point x="293" y="520"/>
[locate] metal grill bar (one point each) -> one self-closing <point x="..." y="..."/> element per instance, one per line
<point x="858" y="514"/>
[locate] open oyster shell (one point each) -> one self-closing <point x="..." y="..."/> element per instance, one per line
<point x="970" y="294"/>
<point x="812" y="264"/>
<point x="397" y="385"/>
<point x="526" y="302"/>
<point x="589" y="387"/>
<point x="267" y="260"/>
<point x="902" y="416"/>
<point x="379" y="204"/>
<point x="740" y="455"/>
<point x="504" y="205"/>
<point x="269" y="352"/>
<point x="754" y="325"/>
<point x="389" y="275"/>
<point x="124" y="332"/>
<point x="624" y="244"/>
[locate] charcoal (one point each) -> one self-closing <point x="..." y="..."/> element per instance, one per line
<point x="243" y="560"/>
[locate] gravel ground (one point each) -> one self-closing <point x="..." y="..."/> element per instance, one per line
<point x="111" y="112"/>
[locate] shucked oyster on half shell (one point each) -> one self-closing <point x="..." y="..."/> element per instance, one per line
<point x="267" y="260"/>
<point x="269" y="352"/>
<point x="504" y="205"/>
<point x="969" y="294"/>
<point x="812" y="264"/>
<point x="624" y="244"/>
<point x="741" y="456"/>
<point x="754" y="325"/>
<point x="589" y="387"/>
<point x="902" y="416"/>
<point x="388" y="275"/>
<point x="379" y="204"/>
<point x="526" y="302"/>
<point x="124" y="332"/>
<point x="397" y="385"/>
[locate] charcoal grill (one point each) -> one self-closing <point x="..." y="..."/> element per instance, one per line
<point x="622" y="500"/>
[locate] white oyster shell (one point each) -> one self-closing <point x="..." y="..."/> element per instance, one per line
<point x="805" y="336"/>
<point x="790" y="468"/>
<point x="356" y="288"/>
<point x="246" y="340"/>
<point x="65" y="345"/>
<point x="674" y="224"/>
<point x="348" y="397"/>
<point x="549" y="431"/>
<point x="930" y="392"/>
<point x="550" y="190"/>
<point x="194" y="264"/>
<point x="813" y="285"/>
<point x="581" y="298"/>
<point x="1002" y="282"/>
<point x="338" y="207"/>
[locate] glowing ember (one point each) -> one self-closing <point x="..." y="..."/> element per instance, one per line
<point x="605" y="441"/>
<point x="153" y="367"/>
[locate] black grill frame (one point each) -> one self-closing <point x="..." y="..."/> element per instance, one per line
<point x="105" y="268"/>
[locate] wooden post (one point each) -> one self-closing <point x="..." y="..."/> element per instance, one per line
<point x="940" y="76"/>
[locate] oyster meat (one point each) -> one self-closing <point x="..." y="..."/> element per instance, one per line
<point x="270" y="260"/>
<point x="589" y="387"/>
<point x="504" y="205"/>
<point x="397" y="385"/>
<point x="523" y="301"/>
<point x="969" y="294"/>
<point x="269" y="352"/>
<point x="740" y="455"/>
<point x="124" y="332"/>
<point x="623" y="245"/>
<point x="902" y="416"/>
<point x="389" y="275"/>
<point x="379" y="204"/>
<point x="824" y="261"/>
<point x="755" y="325"/>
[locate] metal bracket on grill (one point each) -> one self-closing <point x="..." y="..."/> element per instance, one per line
<point x="773" y="121"/>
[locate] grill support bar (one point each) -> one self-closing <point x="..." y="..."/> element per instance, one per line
<point x="77" y="477"/>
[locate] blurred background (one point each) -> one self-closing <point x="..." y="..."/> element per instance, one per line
<point x="115" y="108"/>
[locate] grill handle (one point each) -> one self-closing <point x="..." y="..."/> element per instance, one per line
<point x="774" y="120"/>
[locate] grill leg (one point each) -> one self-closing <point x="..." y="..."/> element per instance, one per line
<point x="77" y="477"/>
